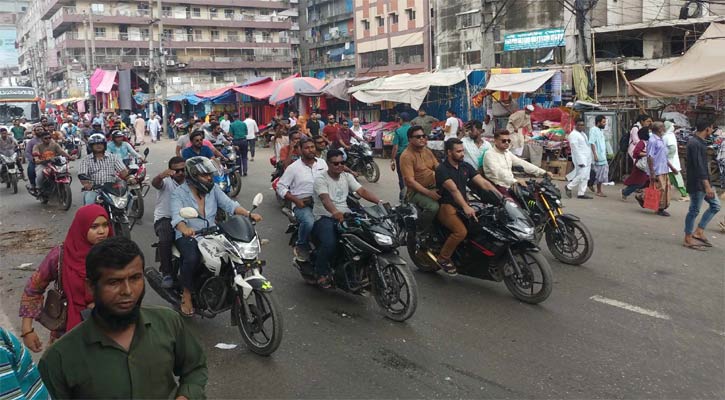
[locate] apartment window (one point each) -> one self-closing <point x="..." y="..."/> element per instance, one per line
<point x="198" y="34"/>
<point x="196" y="11"/>
<point x="214" y="35"/>
<point x="213" y="12"/>
<point x="166" y="11"/>
<point x="410" y="13"/>
<point x="374" y="59"/>
<point x="266" y="36"/>
<point x="381" y="21"/>
<point x="97" y="8"/>
<point x="142" y="10"/>
<point x="366" y="25"/>
<point x="232" y="36"/>
<point x="264" y="11"/>
<point x="168" y="34"/>
<point x="99" y="32"/>
<point x="409" y="54"/>
<point x="472" y="57"/>
<point x="469" y="19"/>
<point x="145" y="33"/>
<point x="468" y="45"/>
<point x="393" y="18"/>
<point x="229" y="14"/>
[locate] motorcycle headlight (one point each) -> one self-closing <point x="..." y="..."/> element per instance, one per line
<point x="232" y="157"/>
<point x="249" y="251"/>
<point x="118" y="201"/>
<point x="222" y="185"/>
<point x="558" y="202"/>
<point x="383" y="240"/>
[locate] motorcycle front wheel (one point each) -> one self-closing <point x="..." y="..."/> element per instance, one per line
<point x="137" y="207"/>
<point x="235" y="183"/>
<point x="571" y="244"/>
<point x="122" y="229"/>
<point x="533" y="285"/>
<point x="262" y="330"/>
<point x="14" y="183"/>
<point x="400" y="299"/>
<point x="371" y="171"/>
<point x="65" y="196"/>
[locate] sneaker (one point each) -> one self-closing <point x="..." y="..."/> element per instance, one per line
<point x="447" y="266"/>
<point x="624" y="197"/>
<point x="640" y="200"/>
<point x="584" y="197"/>
<point x="324" y="282"/>
<point x="301" y="253"/>
<point x="568" y="191"/>
<point x="663" y="213"/>
<point x="167" y="282"/>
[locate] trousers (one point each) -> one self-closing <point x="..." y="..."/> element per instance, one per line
<point x="190" y="260"/>
<point x="243" y="150"/>
<point x="447" y="215"/>
<point x="324" y="231"/>
<point x="165" y="233"/>
<point x="428" y="209"/>
<point x="696" y="200"/>
<point x="307" y="223"/>
<point x="580" y="180"/>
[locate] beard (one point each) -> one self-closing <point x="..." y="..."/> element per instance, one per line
<point x="115" y="321"/>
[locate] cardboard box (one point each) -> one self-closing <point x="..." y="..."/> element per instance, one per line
<point x="559" y="168"/>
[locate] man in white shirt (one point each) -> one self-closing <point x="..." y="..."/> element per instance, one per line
<point x="452" y="126"/>
<point x="166" y="182"/>
<point x="297" y="186"/>
<point x="292" y="119"/>
<point x="252" y="130"/>
<point x="154" y="127"/>
<point x="474" y="146"/>
<point x="499" y="161"/>
<point x="488" y="126"/>
<point x="357" y="130"/>
<point x="225" y="123"/>
<point x="581" y="156"/>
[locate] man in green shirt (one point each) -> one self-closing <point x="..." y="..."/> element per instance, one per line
<point x="424" y="120"/>
<point x="400" y="143"/>
<point x="123" y="350"/>
<point x="18" y="131"/>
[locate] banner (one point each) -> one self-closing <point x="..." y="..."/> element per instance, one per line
<point x="8" y="52"/>
<point x="534" y="39"/>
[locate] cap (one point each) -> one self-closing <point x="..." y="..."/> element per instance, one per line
<point x="530" y="107"/>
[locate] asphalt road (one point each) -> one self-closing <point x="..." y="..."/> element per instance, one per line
<point x="644" y="318"/>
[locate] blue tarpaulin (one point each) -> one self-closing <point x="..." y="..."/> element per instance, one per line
<point x="189" y="97"/>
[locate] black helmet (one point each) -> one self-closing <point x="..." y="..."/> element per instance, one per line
<point x="116" y="134"/>
<point x="196" y="166"/>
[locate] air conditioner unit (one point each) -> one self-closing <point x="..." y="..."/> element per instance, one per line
<point x="170" y="62"/>
<point x="146" y="63"/>
<point x="137" y="63"/>
<point x="275" y="50"/>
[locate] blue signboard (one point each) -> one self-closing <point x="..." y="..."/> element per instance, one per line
<point x="534" y="39"/>
<point x="8" y="53"/>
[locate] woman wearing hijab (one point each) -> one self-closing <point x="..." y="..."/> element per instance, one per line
<point x="89" y="227"/>
<point x="674" y="158"/>
<point x="638" y="179"/>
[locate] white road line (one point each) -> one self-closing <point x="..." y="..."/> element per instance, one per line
<point x="629" y="307"/>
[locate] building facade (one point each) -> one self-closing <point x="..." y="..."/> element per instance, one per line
<point x="392" y="37"/>
<point x="206" y="43"/>
<point x="328" y="38"/>
<point x="10" y="12"/>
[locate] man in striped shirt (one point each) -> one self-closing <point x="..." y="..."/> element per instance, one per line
<point x="19" y="377"/>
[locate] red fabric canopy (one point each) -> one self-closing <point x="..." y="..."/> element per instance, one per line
<point x="215" y="92"/>
<point x="263" y="90"/>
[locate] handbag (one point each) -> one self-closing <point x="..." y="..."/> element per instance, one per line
<point x="643" y="165"/>
<point x="652" y="198"/>
<point x="55" y="310"/>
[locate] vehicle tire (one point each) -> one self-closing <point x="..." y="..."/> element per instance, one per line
<point x="522" y="287"/>
<point x="251" y="329"/>
<point x="574" y="247"/>
<point x="137" y="208"/>
<point x="14" y="183"/>
<point x="423" y="263"/>
<point x="402" y="292"/>
<point x="372" y="171"/>
<point x="122" y="229"/>
<point x="236" y="184"/>
<point x="65" y="196"/>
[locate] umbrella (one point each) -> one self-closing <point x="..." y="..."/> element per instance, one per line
<point x="292" y="87"/>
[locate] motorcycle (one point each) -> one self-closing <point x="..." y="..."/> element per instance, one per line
<point x="500" y="246"/>
<point x="360" y="160"/>
<point x="567" y="238"/>
<point x="9" y="173"/>
<point x="114" y="197"/>
<point x="56" y="184"/>
<point x="367" y="258"/>
<point x="231" y="279"/>
<point x="228" y="177"/>
<point x="138" y="186"/>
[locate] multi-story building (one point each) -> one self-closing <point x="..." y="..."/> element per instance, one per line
<point x="328" y="38"/>
<point x="207" y="43"/>
<point x="10" y="13"/>
<point x="392" y="37"/>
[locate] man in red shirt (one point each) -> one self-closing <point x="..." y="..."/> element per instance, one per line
<point x="331" y="130"/>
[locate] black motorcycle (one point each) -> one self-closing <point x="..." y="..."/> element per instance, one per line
<point x="500" y="246"/>
<point x="567" y="237"/>
<point x="114" y="197"/>
<point x="360" y="160"/>
<point x="367" y="258"/>
<point x="9" y="172"/>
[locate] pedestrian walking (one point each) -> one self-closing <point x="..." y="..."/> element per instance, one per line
<point x="19" y="378"/>
<point x="639" y="177"/>
<point x="252" y="131"/>
<point x="139" y="128"/>
<point x="400" y="143"/>
<point x="581" y="156"/>
<point x="674" y="157"/>
<point x="699" y="188"/>
<point x="239" y="132"/>
<point x="643" y="121"/>
<point x="154" y="127"/>
<point x="659" y="167"/>
<point x="599" y="150"/>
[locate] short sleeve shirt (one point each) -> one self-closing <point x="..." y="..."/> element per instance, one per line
<point x="331" y="132"/>
<point x="453" y="123"/>
<point x="596" y="137"/>
<point x="163" y="200"/>
<point x="401" y="138"/>
<point x="420" y="165"/>
<point x="189" y="152"/>
<point x="46" y="152"/>
<point x="336" y="189"/>
<point x="461" y="176"/>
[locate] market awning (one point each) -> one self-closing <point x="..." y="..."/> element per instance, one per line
<point x="701" y="69"/>
<point x="262" y="90"/>
<point x="62" y="102"/>
<point x="102" y="81"/>
<point x="215" y="92"/>
<point x="191" y="98"/>
<point x="525" y="82"/>
<point x="406" y="88"/>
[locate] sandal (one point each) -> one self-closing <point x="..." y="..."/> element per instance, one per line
<point x="324" y="282"/>
<point x="704" y="241"/>
<point x="694" y="247"/>
<point x="185" y="314"/>
<point x="601" y="195"/>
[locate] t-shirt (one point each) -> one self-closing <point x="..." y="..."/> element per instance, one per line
<point x="18" y="132"/>
<point x="697" y="168"/>
<point x="343" y="133"/>
<point x="225" y="125"/>
<point x="314" y="127"/>
<point x="596" y="137"/>
<point x="337" y="189"/>
<point x="183" y="141"/>
<point x="331" y="132"/>
<point x="401" y="138"/>
<point x="163" y="199"/>
<point x="453" y="123"/>
<point x="461" y="176"/>
<point x="420" y="165"/>
<point x="238" y="129"/>
<point x="252" y="128"/>
<point x="189" y="152"/>
<point x="426" y="122"/>
<point x="46" y="152"/>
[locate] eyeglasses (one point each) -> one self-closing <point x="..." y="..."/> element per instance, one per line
<point x="505" y="140"/>
<point x="419" y="137"/>
<point x="336" y="163"/>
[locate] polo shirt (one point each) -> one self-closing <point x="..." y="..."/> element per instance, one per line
<point x="238" y="130"/>
<point x="87" y="364"/>
<point x="421" y="165"/>
<point x="189" y="152"/>
<point x="461" y="176"/>
<point x="401" y="138"/>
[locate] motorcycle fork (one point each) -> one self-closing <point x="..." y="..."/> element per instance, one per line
<point x="379" y="272"/>
<point x="550" y="211"/>
<point x="240" y="295"/>
<point x="517" y="268"/>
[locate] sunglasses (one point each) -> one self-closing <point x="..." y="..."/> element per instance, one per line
<point x="419" y="137"/>
<point x="337" y="163"/>
<point x="505" y="140"/>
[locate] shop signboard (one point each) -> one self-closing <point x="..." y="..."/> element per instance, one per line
<point x="538" y="39"/>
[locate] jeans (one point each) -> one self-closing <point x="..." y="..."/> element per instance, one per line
<point x="324" y="231"/>
<point x="696" y="199"/>
<point x="243" y="149"/>
<point x="165" y="232"/>
<point x="428" y="210"/>
<point x="190" y="260"/>
<point x="31" y="173"/>
<point x="633" y="188"/>
<point x="252" y="144"/>
<point x="307" y="222"/>
<point x="89" y="197"/>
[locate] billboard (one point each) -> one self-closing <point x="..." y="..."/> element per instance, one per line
<point x="534" y="39"/>
<point x="8" y="52"/>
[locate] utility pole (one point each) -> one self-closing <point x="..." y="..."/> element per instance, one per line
<point x="87" y="53"/>
<point x="152" y="70"/>
<point x="163" y="83"/>
<point x="93" y="41"/>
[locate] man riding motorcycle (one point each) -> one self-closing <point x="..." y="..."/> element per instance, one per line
<point x="452" y="177"/>
<point x="8" y="147"/>
<point x="499" y="161"/>
<point x="199" y="192"/>
<point x="43" y="151"/>
<point x="417" y="166"/>
<point x="331" y="190"/>
<point x="100" y="167"/>
<point x="119" y="147"/>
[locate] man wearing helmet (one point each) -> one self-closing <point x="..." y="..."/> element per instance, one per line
<point x="199" y="192"/>
<point x="100" y="167"/>
<point x="119" y="147"/>
<point x="43" y="151"/>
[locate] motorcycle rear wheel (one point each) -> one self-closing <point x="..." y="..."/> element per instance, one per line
<point x="264" y="308"/>
<point x="574" y="247"/>
<point x="422" y="262"/>
<point x="535" y="272"/>
<point x="402" y="292"/>
<point x="371" y="171"/>
<point x="236" y="184"/>
<point x="65" y="196"/>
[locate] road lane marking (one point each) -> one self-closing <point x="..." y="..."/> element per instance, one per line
<point x="630" y="307"/>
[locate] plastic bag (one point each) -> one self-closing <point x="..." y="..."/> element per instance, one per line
<point x="652" y="198"/>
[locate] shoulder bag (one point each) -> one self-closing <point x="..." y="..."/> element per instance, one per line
<point x="55" y="310"/>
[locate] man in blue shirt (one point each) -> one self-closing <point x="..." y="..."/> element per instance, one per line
<point x="197" y="148"/>
<point x="200" y="193"/>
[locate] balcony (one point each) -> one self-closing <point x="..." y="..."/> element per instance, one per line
<point x="267" y="4"/>
<point x="70" y="40"/>
<point x="328" y="40"/>
<point x="248" y="61"/>
<point x="319" y="20"/>
<point x="331" y="64"/>
<point x="221" y="20"/>
<point x="50" y="7"/>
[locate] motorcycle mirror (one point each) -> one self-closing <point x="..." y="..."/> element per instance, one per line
<point x="146" y="152"/>
<point x="257" y="200"/>
<point x="188" y="213"/>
